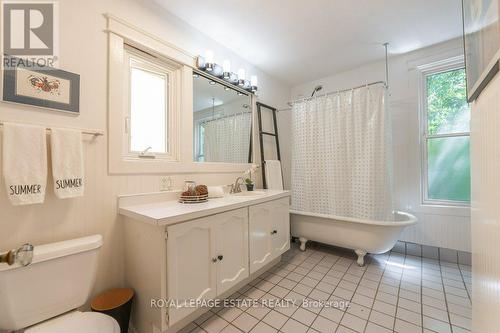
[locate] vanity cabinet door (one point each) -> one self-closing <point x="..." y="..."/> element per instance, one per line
<point x="231" y="234"/>
<point x="260" y="228"/>
<point x="191" y="269"/>
<point x="269" y="227"/>
<point x="281" y="226"/>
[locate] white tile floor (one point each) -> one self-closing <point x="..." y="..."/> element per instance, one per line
<point x="392" y="293"/>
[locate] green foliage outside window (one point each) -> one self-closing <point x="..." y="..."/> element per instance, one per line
<point x="448" y="163"/>
<point x="447" y="108"/>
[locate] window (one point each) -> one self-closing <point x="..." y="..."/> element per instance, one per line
<point x="149" y="109"/>
<point x="446" y="118"/>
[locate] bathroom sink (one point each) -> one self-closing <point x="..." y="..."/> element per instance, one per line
<point x="249" y="194"/>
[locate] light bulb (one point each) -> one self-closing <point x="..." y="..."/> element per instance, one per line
<point x="209" y="56"/>
<point x="254" y="81"/>
<point x="226" y="66"/>
<point x="241" y="74"/>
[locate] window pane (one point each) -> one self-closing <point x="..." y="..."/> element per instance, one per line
<point x="447" y="108"/>
<point x="148" y="111"/>
<point x="449" y="168"/>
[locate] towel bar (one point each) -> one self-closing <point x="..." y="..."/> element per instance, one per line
<point x="89" y="132"/>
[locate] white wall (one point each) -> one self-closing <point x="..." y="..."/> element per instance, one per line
<point x="438" y="226"/>
<point x="83" y="47"/>
<point x="485" y="138"/>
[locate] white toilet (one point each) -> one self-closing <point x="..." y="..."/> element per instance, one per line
<point x="42" y="297"/>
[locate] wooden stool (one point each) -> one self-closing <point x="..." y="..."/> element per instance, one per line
<point x="116" y="303"/>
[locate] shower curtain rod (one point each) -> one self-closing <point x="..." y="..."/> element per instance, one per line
<point x="333" y="93"/>
<point x="385" y="83"/>
<point x="226" y="116"/>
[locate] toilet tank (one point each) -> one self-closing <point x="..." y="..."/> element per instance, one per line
<point x="59" y="279"/>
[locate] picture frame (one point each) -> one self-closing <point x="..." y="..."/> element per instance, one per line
<point x="40" y="86"/>
<point x="481" y="43"/>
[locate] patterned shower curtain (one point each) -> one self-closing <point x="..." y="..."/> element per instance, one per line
<point x="342" y="155"/>
<point x="227" y="139"/>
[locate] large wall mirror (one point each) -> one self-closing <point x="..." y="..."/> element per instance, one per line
<point x="222" y="122"/>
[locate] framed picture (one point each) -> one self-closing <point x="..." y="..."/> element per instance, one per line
<point x="45" y="87"/>
<point x="482" y="43"/>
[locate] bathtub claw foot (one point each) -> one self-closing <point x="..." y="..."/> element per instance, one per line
<point x="303" y="242"/>
<point x="361" y="257"/>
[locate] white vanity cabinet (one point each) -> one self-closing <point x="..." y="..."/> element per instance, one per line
<point x="269" y="225"/>
<point x="185" y="253"/>
<point x="206" y="257"/>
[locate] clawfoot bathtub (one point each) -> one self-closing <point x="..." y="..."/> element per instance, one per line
<point x="362" y="236"/>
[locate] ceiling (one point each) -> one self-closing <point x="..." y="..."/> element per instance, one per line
<point x="297" y="40"/>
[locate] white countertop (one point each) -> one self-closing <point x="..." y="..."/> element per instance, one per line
<point x="163" y="209"/>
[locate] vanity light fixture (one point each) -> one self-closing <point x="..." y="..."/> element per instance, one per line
<point x="223" y="72"/>
<point x="212" y="82"/>
<point x="196" y="75"/>
<point x="226" y="88"/>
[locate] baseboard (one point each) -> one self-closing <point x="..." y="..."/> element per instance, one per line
<point x="433" y="252"/>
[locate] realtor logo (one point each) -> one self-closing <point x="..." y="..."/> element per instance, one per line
<point x="30" y="31"/>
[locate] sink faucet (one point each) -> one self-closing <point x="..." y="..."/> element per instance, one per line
<point x="235" y="188"/>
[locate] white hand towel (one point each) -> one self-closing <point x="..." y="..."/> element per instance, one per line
<point x="215" y="192"/>
<point x="274" y="179"/>
<point x="24" y="163"/>
<point x="67" y="162"/>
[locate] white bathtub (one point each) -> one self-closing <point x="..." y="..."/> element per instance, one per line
<point x="362" y="236"/>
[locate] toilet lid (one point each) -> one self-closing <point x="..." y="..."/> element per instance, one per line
<point x="78" y="322"/>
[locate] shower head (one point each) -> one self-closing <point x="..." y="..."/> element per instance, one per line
<point x="316" y="89"/>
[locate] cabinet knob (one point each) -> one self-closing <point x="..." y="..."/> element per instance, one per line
<point x="274" y="232"/>
<point x="220" y="257"/>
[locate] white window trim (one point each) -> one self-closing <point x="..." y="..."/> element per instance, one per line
<point x="120" y="33"/>
<point x="425" y="70"/>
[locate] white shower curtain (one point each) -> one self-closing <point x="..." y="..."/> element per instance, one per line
<point x="342" y="155"/>
<point x="227" y="139"/>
